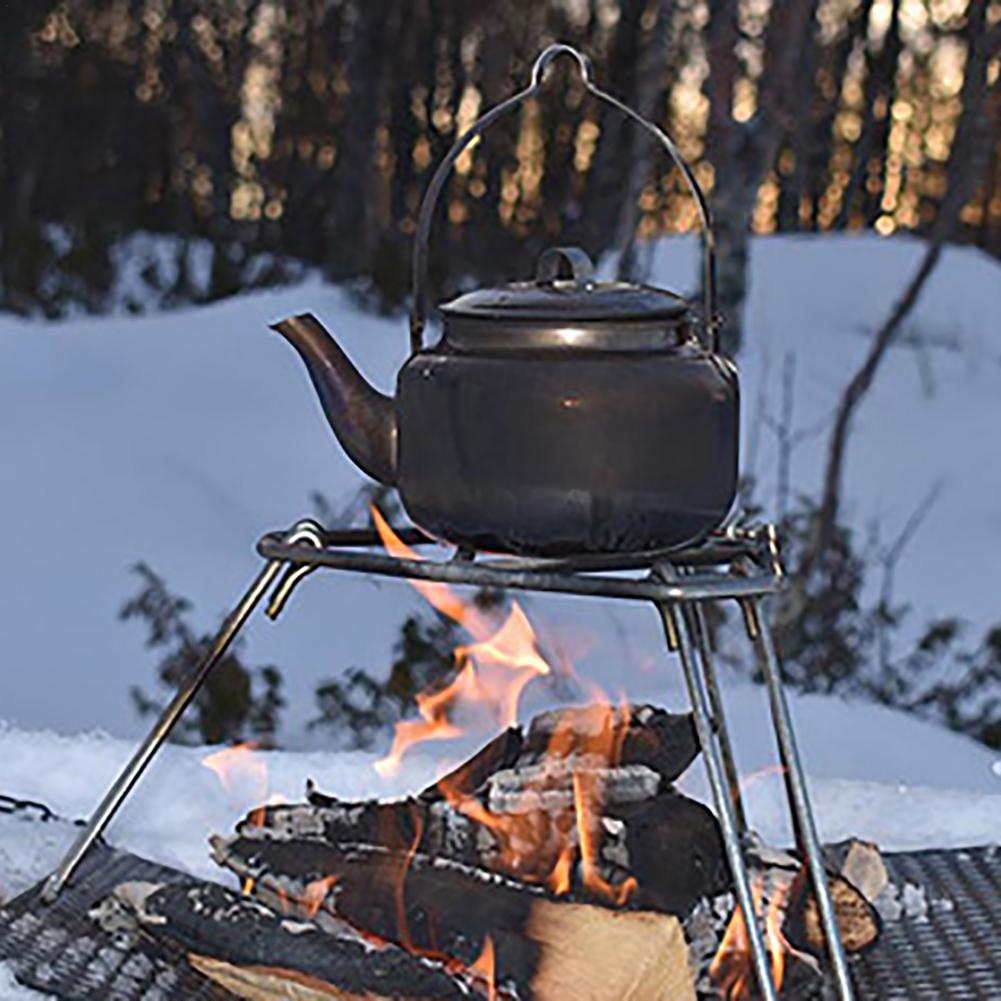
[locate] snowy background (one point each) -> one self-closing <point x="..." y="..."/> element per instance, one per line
<point x="179" y="438"/>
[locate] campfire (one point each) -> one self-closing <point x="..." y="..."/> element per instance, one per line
<point x="559" y="861"/>
<point x="562" y="860"/>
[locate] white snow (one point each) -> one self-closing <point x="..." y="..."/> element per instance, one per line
<point x="11" y="990"/>
<point x="873" y="774"/>
<point x="179" y="438"/>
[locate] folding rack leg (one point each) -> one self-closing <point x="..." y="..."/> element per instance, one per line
<point x="722" y="732"/>
<point x="304" y="531"/>
<point x="799" y="799"/>
<point x="679" y="626"/>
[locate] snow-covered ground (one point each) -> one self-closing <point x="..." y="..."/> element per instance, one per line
<point x="179" y="438"/>
<point x="875" y="773"/>
<point x="11" y="990"/>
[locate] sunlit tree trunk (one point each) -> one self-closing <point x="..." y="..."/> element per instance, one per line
<point x="742" y="154"/>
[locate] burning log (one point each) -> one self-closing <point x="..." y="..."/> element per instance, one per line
<point x="668" y="847"/>
<point x="258" y="954"/>
<point x="541" y="947"/>
<point x="665" y="743"/>
<point x="582" y="801"/>
<point x="550" y="841"/>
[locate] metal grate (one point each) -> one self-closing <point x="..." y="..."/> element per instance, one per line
<point x="945" y="945"/>
<point x="58" y="949"/>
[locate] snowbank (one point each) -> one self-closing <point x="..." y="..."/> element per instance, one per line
<point x="179" y="438"/>
<point x="875" y="774"/>
<point x="11" y="990"/>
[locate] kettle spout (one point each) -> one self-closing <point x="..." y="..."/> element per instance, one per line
<point x="363" y="419"/>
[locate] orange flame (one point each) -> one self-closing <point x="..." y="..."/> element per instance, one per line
<point x="401" y="886"/>
<point x="559" y="878"/>
<point x="541" y="846"/>
<point x="753" y="778"/>
<point x="585" y="803"/>
<point x="494" y="669"/>
<point x="732" y="970"/>
<point x="485" y="968"/>
<point x="437" y="594"/>
<point x="315" y="893"/>
<point x="248" y="886"/>
<point x="240" y="769"/>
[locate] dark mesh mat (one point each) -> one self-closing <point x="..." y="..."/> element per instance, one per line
<point x="59" y="950"/>
<point x="945" y="944"/>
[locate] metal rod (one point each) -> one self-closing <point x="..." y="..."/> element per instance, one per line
<point x="168" y="719"/>
<point x="800" y="802"/>
<point x="703" y="588"/>
<point x="716" y="550"/>
<point x="699" y="697"/>
<point x="704" y="651"/>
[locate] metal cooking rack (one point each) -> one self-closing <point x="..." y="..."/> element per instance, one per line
<point x="737" y="563"/>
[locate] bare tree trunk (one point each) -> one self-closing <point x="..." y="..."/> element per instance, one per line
<point x="880" y="86"/>
<point x="743" y="154"/>
<point x="965" y="170"/>
<point x="651" y="68"/>
<point x="346" y="222"/>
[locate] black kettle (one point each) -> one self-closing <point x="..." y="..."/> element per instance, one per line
<point x="559" y="416"/>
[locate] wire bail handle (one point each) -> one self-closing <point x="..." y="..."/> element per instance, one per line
<point x="711" y="321"/>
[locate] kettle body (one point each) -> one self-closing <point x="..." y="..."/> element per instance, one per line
<point x="567" y="453"/>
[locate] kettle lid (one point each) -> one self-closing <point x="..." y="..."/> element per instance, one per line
<point x="554" y="296"/>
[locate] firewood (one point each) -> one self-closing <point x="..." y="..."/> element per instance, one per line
<point x="865" y="869"/>
<point x="858" y="921"/>
<point x="511" y="808"/>
<point x="259" y="954"/>
<point x="665" y="743"/>
<point x="670" y="844"/>
<point x="546" y="948"/>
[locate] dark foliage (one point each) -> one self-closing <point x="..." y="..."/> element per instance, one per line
<point x="360" y="708"/>
<point x="267" y="136"/>
<point x="949" y="682"/>
<point x="844" y="638"/>
<point x="237" y="702"/>
<point x="363" y="707"/>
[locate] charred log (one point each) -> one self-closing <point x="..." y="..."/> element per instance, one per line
<point x="670" y="845"/>
<point x="543" y="948"/>
<point x="257" y="953"/>
<point x="513" y="809"/>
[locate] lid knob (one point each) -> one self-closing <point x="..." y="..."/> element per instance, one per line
<point x="564" y="259"/>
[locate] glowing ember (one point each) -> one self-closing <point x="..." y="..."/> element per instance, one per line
<point x="248" y="886"/>
<point x="485" y="968"/>
<point x="732" y="970"/>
